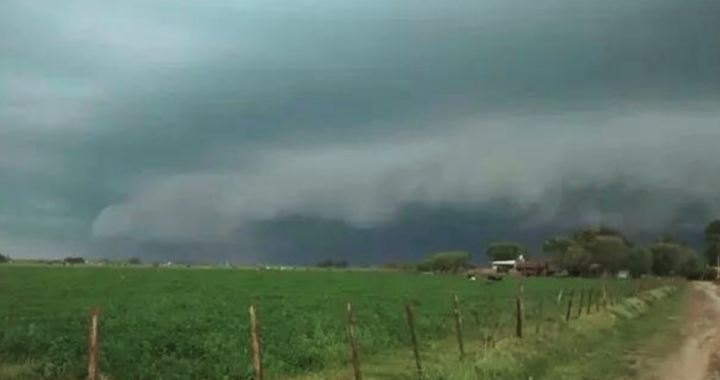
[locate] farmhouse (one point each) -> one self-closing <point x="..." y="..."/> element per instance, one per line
<point x="505" y="266"/>
<point x="535" y="268"/>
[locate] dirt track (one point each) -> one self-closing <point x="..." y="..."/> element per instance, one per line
<point x="697" y="358"/>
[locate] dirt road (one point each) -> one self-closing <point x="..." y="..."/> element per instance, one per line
<point x="697" y="358"/>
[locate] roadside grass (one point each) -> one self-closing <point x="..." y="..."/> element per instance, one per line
<point x="594" y="347"/>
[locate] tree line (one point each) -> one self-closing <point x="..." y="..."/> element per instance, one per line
<point x="593" y="251"/>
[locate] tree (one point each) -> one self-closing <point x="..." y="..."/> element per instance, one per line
<point x="4" y="259"/>
<point x="712" y="243"/>
<point x="576" y="260"/>
<point x="713" y="230"/>
<point x="453" y="261"/>
<point x="669" y="258"/>
<point x="74" y="260"/>
<point x="328" y="263"/>
<point x="555" y="247"/>
<point x="693" y="269"/>
<point x="607" y="246"/>
<point x="639" y="261"/>
<point x="504" y="251"/>
<point x="134" y="261"/>
<point x="712" y="254"/>
<point x="609" y="251"/>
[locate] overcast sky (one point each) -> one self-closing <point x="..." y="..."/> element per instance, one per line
<point x="211" y="122"/>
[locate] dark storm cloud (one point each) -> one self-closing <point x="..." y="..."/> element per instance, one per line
<point x="197" y="122"/>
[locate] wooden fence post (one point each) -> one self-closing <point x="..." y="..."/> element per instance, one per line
<point x="588" y="311"/>
<point x="570" y="302"/>
<point x="458" y="327"/>
<point x="540" y="316"/>
<point x="94" y="345"/>
<point x="353" y="342"/>
<point x="580" y="304"/>
<point x="519" y="312"/>
<point x="411" y="326"/>
<point x="256" y="344"/>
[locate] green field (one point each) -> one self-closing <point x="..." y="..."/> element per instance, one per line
<point x="193" y="323"/>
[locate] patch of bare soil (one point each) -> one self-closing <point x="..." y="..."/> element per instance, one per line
<point x="697" y="358"/>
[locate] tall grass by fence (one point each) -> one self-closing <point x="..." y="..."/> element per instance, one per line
<point x="556" y="316"/>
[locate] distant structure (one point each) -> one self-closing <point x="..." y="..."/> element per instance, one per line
<point x="505" y="266"/>
<point x="536" y="268"/>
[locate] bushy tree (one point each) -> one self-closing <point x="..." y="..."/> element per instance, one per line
<point x="609" y="251"/>
<point x="556" y="246"/>
<point x="669" y="257"/>
<point x="74" y="260"/>
<point x="712" y="243"/>
<point x="639" y="261"/>
<point x="576" y="260"/>
<point x="604" y="245"/>
<point x="4" y="259"/>
<point x="135" y="261"/>
<point x="693" y="269"/>
<point x="328" y="263"/>
<point x="504" y="251"/>
<point x="446" y="262"/>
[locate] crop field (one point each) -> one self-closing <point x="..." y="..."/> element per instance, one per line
<point x="193" y="323"/>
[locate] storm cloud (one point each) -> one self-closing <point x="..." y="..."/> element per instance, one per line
<point x="157" y="122"/>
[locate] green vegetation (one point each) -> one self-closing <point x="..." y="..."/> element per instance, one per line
<point x="193" y="323"/>
<point x="596" y="250"/>
<point x="596" y="347"/>
<point x="134" y="261"/>
<point x="446" y="262"/>
<point x="3" y="258"/>
<point x="712" y="243"/>
<point x="504" y="251"/>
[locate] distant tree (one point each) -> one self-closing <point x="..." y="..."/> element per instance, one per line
<point x="328" y="263"/>
<point x="425" y="266"/>
<point x="555" y="247"/>
<point x="4" y="259"/>
<point x="74" y="260"/>
<point x="713" y="229"/>
<point x="712" y="254"/>
<point x="669" y="258"/>
<point x="135" y="261"/>
<point x="639" y="261"/>
<point x="453" y="262"/>
<point x="610" y="251"/>
<point x="712" y="243"/>
<point x="589" y="235"/>
<point x="504" y="251"/>
<point x="607" y="246"/>
<point x="576" y="260"/>
<point x="693" y="269"/>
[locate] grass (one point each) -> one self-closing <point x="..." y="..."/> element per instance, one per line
<point x="193" y="324"/>
<point x="596" y="347"/>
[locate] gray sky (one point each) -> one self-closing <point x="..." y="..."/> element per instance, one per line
<point x="188" y="122"/>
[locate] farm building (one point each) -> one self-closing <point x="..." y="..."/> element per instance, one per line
<point x="505" y="266"/>
<point x="535" y="268"/>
